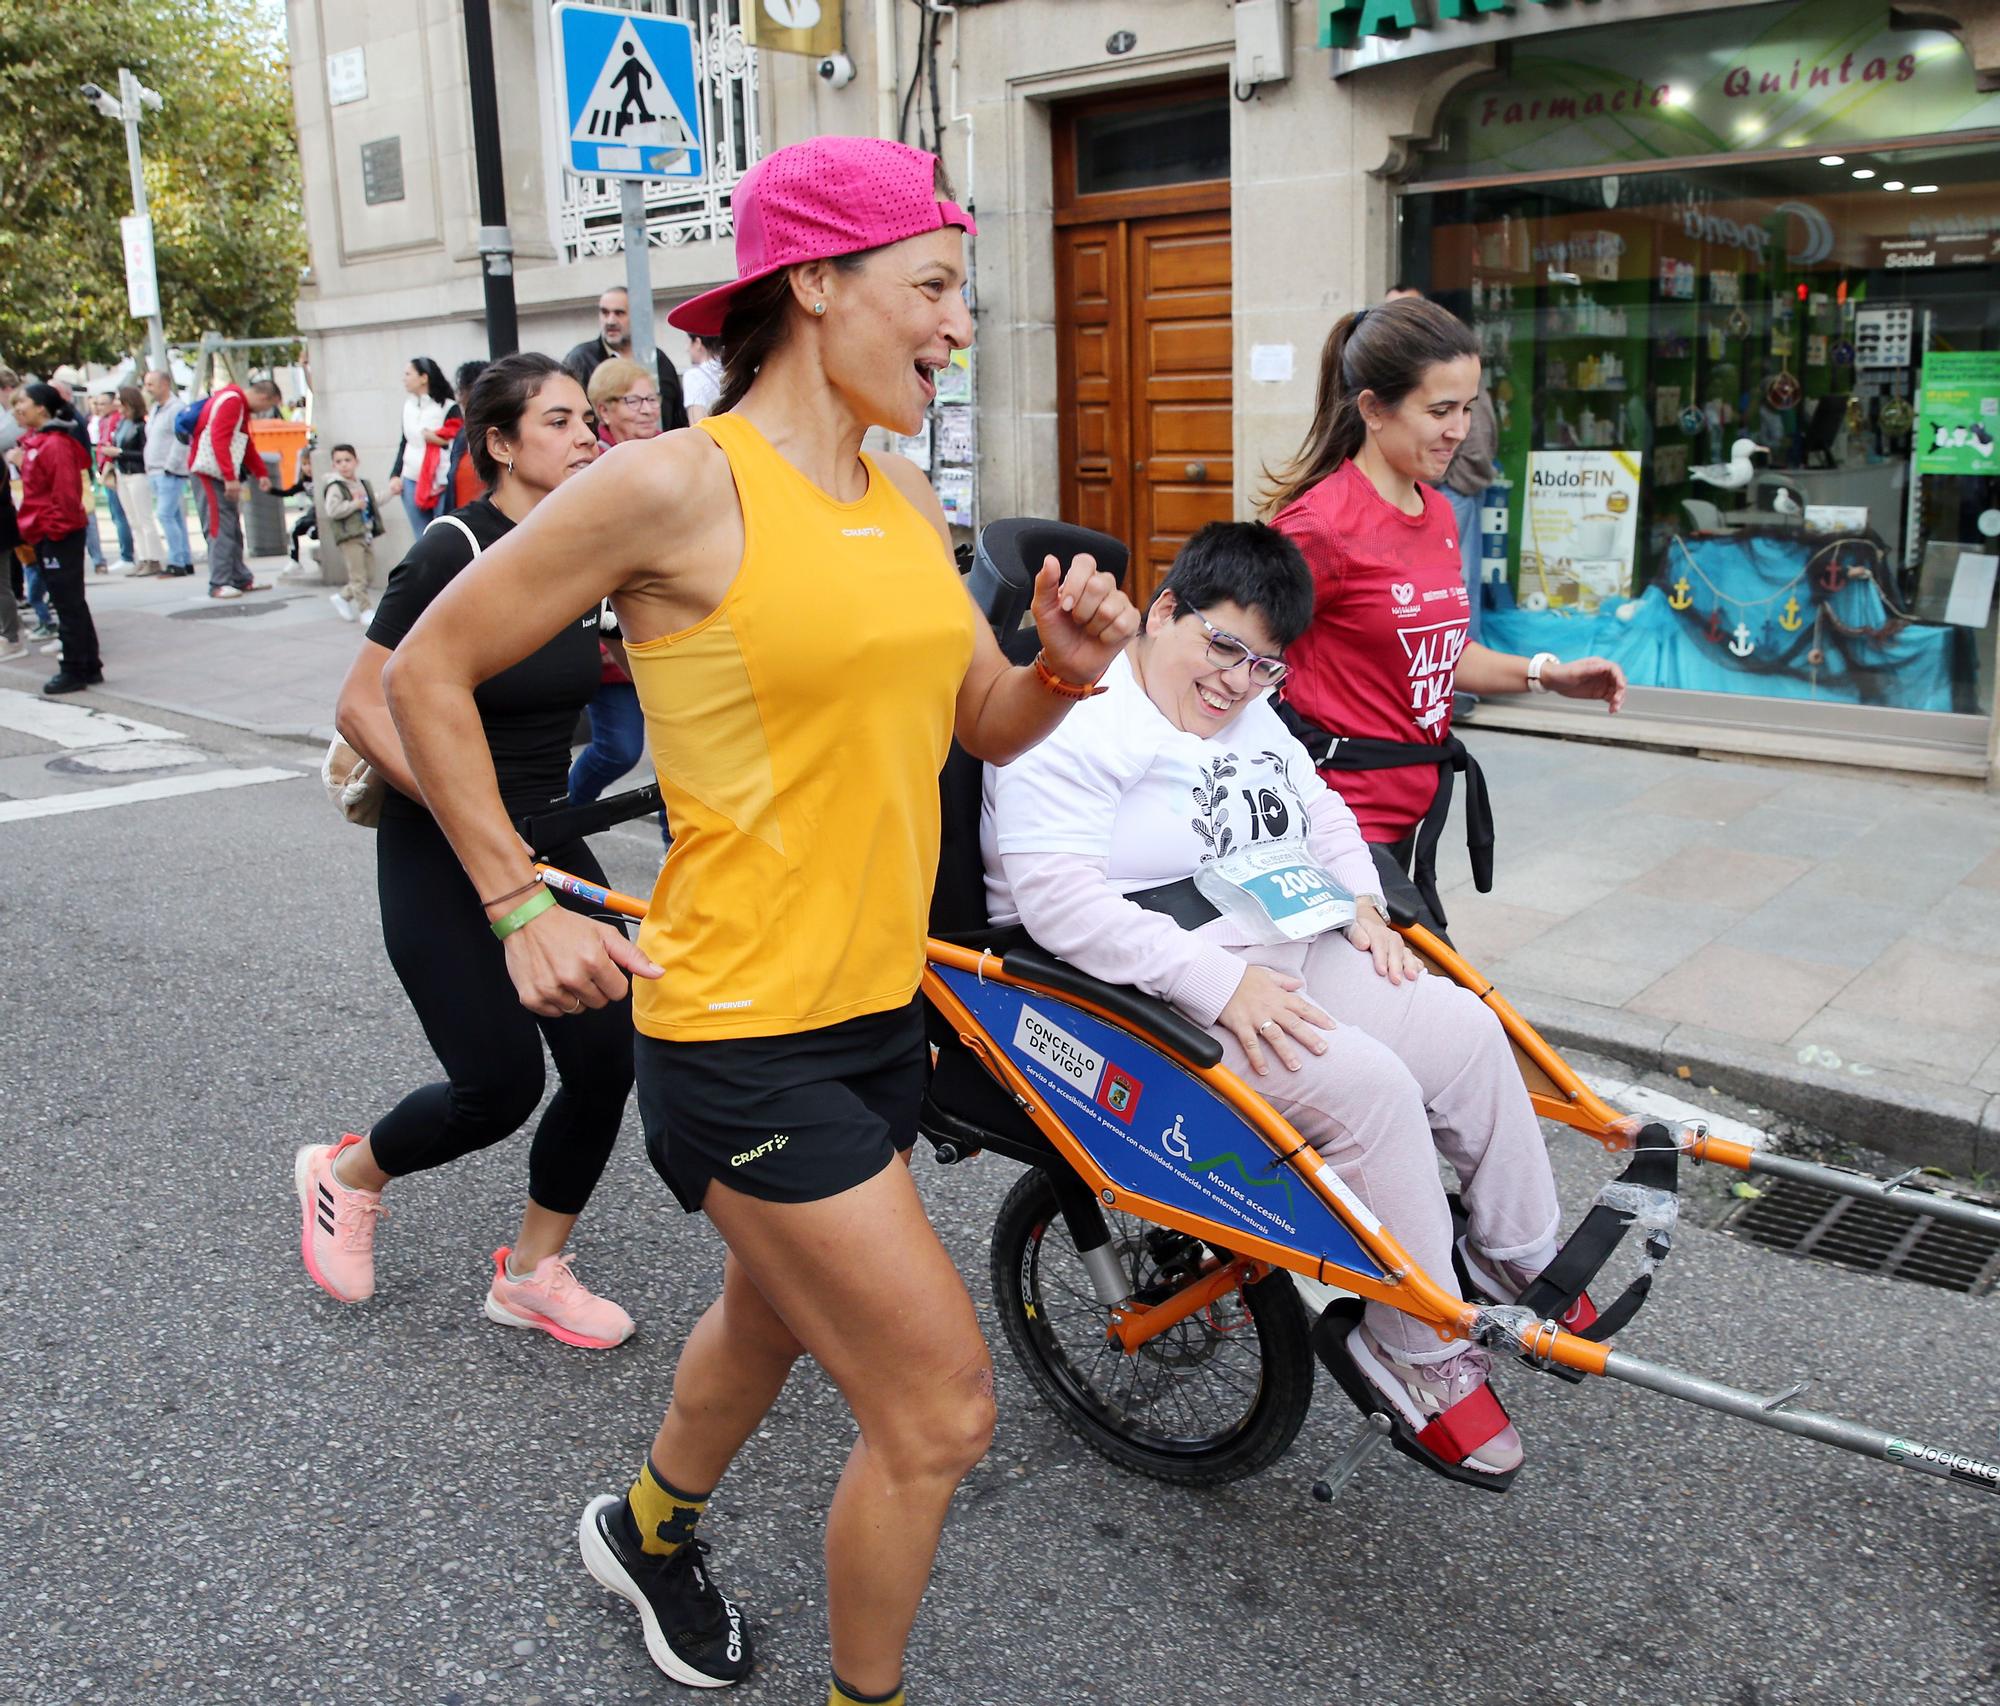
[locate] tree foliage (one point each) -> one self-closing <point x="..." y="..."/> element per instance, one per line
<point x="221" y="162"/>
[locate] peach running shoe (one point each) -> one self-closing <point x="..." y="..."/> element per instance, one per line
<point x="553" y="1299"/>
<point x="337" y="1231"/>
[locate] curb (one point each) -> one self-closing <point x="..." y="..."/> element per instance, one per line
<point x="1927" y="1124"/>
<point x="298" y="734"/>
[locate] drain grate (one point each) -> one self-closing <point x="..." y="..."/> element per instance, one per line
<point x="1805" y="1220"/>
<point x="227" y="610"/>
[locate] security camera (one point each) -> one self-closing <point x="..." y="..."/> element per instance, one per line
<point x="104" y="103"/>
<point x="836" y="71"/>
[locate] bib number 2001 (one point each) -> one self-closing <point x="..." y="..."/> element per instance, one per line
<point x="1297" y="885"/>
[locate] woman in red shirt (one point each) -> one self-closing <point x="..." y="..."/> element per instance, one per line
<point x="1372" y="677"/>
<point x="55" y="463"/>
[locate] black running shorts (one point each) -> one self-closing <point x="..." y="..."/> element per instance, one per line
<point x="788" y="1119"/>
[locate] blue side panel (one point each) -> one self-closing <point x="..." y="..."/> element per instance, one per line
<point x="1153" y="1127"/>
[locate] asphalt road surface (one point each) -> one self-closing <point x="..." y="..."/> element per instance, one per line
<point x="220" y="1486"/>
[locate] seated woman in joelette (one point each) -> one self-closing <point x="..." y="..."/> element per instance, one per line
<point x="1182" y="767"/>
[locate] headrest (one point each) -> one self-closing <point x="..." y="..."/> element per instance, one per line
<point x="1009" y="555"/>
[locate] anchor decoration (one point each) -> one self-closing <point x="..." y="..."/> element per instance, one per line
<point x="1741" y="646"/>
<point x="1682" y="595"/>
<point x="1715" y="624"/>
<point x="1791" y="621"/>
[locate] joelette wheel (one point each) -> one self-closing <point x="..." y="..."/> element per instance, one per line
<point x="1213" y="1399"/>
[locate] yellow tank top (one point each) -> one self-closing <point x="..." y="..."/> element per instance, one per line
<point x="798" y="731"/>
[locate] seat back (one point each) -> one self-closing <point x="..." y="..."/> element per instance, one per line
<point x="1005" y="561"/>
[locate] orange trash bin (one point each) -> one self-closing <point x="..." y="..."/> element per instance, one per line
<point x="282" y="442"/>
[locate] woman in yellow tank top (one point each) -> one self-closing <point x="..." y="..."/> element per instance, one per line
<point x="804" y="654"/>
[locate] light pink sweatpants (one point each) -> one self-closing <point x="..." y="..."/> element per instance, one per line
<point x="1411" y="1071"/>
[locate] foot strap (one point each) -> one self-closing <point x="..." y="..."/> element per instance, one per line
<point x="1456" y="1433"/>
<point x="1645" y="1192"/>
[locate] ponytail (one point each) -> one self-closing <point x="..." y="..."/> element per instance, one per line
<point x="1386" y="350"/>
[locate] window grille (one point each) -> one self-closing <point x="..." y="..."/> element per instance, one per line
<point x="587" y="209"/>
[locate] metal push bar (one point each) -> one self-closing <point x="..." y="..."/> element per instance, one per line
<point x="1776" y="1412"/>
<point x="1726" y="1152"/>
<point x="1511" y="1328"/>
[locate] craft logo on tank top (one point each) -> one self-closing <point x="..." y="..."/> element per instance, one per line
<point x="1432" y="652"/>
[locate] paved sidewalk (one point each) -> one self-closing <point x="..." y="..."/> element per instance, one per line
<point x="1823" y="944"/>
<point x="270" y="662"/>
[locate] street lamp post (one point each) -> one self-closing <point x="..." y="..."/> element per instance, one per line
<point x="126" y="105"/>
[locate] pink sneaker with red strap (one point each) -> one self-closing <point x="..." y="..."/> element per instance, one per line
<point x="554" y="1300"/>
<point x="337" y="1231"/>
<point x="1447" y="1406"/>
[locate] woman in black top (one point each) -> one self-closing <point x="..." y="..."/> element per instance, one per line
<point x="530" y="428"/>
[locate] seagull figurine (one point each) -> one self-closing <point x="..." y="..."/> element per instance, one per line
<point x="1737" y="472"/>
<point x="1784" y="503"/>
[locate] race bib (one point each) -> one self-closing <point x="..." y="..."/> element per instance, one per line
<point x="1277" y="892"/>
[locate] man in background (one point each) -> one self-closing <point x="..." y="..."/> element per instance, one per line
<point x="222" y="459"/>
<point x="167" y="470"/>
<point x="614" y="337"/>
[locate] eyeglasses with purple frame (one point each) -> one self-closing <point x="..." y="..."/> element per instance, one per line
<point x="1226" y="652"/>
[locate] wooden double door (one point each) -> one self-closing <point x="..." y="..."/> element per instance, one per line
<point x="1144" y="380"/>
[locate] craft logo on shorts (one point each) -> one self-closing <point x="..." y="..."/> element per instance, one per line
<point x="1119" y="1093"/>
<point x="1055" y="1048"/>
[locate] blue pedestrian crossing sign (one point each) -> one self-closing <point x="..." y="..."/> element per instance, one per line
<point x="629" y="94"/>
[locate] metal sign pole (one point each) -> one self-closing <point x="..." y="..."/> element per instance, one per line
<point x="630" y="104"/>
<point x="128" y="98"/>
<point x="496" y="245"/>
<point x="638" y="269"/>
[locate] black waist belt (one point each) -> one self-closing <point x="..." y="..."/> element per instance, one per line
<point x="1348" y="752"/>
<point x="1181" y="901"/>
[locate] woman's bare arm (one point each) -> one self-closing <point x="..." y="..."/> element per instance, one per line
<point x="598" y="533"/>
<point x="362" y="717"/>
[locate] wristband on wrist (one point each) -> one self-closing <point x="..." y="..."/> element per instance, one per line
<point x="533" y="907"/>
<point x="1535" y="664"/>
<point x="1059" y="687"/>
<point x="528" y="887"/>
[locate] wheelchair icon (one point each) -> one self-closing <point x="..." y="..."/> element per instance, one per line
<point x="1174" y="1141"/>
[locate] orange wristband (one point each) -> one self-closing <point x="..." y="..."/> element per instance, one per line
<point x="1059" y="687"/>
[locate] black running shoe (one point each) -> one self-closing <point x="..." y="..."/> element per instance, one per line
<point x="692" y="1633"/>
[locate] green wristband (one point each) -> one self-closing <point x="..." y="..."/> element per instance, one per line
<point x="534" y="905"/>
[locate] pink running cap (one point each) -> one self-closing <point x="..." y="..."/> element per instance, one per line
<point x="833" y="195"/>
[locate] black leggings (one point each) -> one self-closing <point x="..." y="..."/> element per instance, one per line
<point x="62" y="579"/>
<point x="455" y="973"/>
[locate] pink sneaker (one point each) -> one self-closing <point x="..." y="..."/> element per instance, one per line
<point x="337" y="1232"/>
<point x="555" y="1300"/>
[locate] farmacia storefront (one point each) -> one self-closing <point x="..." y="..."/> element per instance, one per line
<point x="1737" y="280"/>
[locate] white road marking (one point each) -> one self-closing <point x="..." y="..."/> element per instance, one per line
<point x="132" y="793"/>
<point x="73" y="726"/>
<point x="140" y="755"/>
<point x="1641" y="1099"/>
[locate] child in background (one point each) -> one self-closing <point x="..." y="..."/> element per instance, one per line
<point x="353" y="522"/>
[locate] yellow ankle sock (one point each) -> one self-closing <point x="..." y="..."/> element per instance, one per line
<point x="841" y="1695"/>
<point x="665" y="1516"/>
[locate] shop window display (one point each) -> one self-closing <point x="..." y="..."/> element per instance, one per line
<point x="1749" y="407"/>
